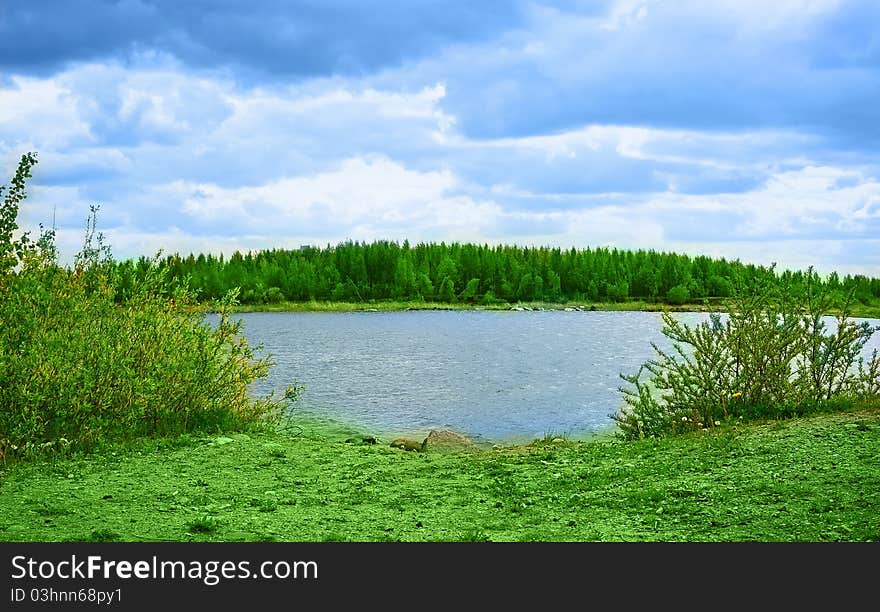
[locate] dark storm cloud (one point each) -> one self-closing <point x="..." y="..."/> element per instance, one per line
<point x="297" y="38"/>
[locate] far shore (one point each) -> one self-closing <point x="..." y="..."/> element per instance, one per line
<point x="708" y="305"/>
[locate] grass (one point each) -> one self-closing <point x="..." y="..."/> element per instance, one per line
<point x="804" y="479"/>
<point x="392" y="305"/>
<point x="714" y="305"/>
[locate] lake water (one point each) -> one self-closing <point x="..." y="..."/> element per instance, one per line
<point x="497" y="376"/>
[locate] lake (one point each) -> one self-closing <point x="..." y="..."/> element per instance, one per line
<point x="497" y="376"/>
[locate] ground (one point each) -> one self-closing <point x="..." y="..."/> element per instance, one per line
<point x="806" y="479"/>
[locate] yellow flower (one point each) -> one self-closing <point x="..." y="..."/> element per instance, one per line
<point x="737" y="394"/>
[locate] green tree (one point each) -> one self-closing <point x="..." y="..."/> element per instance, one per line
<point x="425" y="287"/>
<point x="404" y="278"/>
<point x="553" y="286"/>
<point x="719" y="286"/>
<point x="526" y="289"/>
<point x="446" y="293"/>
<point x="470" y="293"/>
<point x="617" y="292"/>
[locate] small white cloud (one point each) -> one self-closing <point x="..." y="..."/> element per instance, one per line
<point x="41" y="113"/>
<point x="625" y="14"/>
<point x="791" y="202"/>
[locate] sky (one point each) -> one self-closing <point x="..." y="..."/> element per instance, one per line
<point x="742" y="129"/>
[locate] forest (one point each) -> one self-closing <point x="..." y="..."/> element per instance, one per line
<point x="464" y="273"/>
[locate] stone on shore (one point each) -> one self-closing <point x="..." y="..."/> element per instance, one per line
<point x="447" y="440"/>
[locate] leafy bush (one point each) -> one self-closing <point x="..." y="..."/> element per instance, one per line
<point x="772" y="357"/>
<point x="274" y="295"/>
<point x="79" y="366"/>
<point x="678" y="295"/>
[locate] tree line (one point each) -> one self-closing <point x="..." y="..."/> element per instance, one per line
<point x="354" y="271"/>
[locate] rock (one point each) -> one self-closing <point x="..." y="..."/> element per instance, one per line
<point x="448" y="440"/>
<point x="592" y="309"/>
<point x="407" y="444"/>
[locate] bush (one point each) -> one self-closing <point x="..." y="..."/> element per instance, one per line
<point x="489" y="299"/>
<point x="772" y="357"/>
<point x="79" y="367"/>
<point x="274" y="295"/>
<point x="678" y="295"/>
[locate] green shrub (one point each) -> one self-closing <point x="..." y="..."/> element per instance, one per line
<point x="678" y="295"/>
<point x="489" y="299"/>
<point x="274" y="295"/>
<point x="79" y="366"/>
<point x="773" y="357"/>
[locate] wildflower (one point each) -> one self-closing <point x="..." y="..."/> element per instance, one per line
<point x="684" y="419"/>
<point x="737" y="394"/>
<point x="717" y="423"/>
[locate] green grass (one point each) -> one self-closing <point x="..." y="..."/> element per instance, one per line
<point x="403" y="305"/>
<point x="804" y="479"/>
<point x="859" y="310"/>
<point x="361" y="306"/>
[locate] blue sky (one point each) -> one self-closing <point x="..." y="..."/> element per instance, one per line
<point x="736" y="128"/>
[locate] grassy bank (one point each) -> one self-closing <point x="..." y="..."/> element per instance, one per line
<point x="384" y="306"/>
<point x="806" y="479"/>
<point x="859" y="310"/>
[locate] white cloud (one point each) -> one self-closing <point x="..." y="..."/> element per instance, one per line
<point x="362" y="197"/>
<point x="39" y="114"/>
<point x="805" y="202"/>
<point x="625" y="14"/>
<point x="336" y="116"/>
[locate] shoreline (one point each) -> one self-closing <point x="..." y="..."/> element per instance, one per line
<point x="402" y="306"/>
<point x="858" y="311"/>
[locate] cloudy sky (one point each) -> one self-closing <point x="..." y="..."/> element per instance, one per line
<point x="739" y="128"/>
